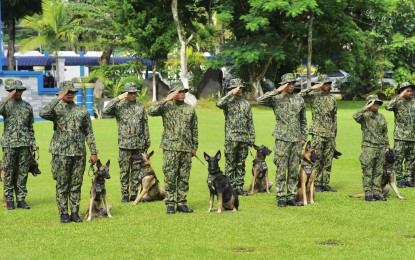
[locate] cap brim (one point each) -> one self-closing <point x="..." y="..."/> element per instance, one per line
<point x="284" y="82"/>
<point x="409" y="86"/>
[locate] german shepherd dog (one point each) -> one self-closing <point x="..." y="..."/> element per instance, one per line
<point x="150" y="187"/>
<point x="260" y="181"/>
<point x="388" y="176"/>
<point x="33" y="169"/>
<point x="307" y="175"/>
<point x="220" y="186"/>
<point x="98" y="204"/>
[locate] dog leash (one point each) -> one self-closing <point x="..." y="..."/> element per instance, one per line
<point x="201" y="161"/>
<point x="91" y="168"/>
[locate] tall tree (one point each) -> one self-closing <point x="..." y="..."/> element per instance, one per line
<point x="11" y="11"/>
<point x="52" y="25"/>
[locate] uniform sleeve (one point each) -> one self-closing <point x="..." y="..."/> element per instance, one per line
<point x="251" y="129"/>
<point x="31" y="130"/>
<point x="89" y="134"/>
<point x="392" y="104"/>
<point x="358" y="116"/>
<point x="195" y="133"/>
<point x="268" y="98"/>
<point x="146" y="133"/>
<point x="48" y="112"/>
<point x="385" y="134"/>
<point x="335" y="117"/>
<point x="306" y="94"/>
<point x="223" y="102"/>
<point x="303" y="123"/>
<point x="110" y="108"/>
<point x="2" y="108"/>
<point x="157" y="109"/>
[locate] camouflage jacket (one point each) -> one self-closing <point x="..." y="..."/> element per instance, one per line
<point x="132" y="123"/>
<point x="18" y="124"/>
<point x="324" y="112"/>
<point x="290" y="116"/>
<point x="72" y="127"/>
<point x="374" y="128"/>
<point x="404" y="111"/>
<point x="180" y="125"/>
<point x="239" y="125"/>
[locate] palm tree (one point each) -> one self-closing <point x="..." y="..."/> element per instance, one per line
<point x="52" y="27"/>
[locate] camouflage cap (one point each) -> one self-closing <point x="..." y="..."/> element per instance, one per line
<point x="406" y="85"/>
<point x="370" y="98"/>
<point x="131" y="87"/>
<point x="234" y="83"/>
<point x="178" y="86"/>
<point x="324" y="78"/>
<point x="17" y="85"/>
<point x="67" y="85"/>
<point x="287" y="78"/>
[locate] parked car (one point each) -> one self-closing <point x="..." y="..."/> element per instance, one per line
<point x="387" y="79"/>
<point x="302" y="81"/>
<point x="338" y="77"/>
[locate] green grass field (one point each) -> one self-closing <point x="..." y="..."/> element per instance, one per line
<point x="336" y="227"/>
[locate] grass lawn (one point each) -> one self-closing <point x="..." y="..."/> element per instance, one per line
<point x="337" y="227"/>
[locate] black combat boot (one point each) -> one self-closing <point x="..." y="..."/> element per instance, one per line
<point x="23" y="205"/>
<point x="10" y="205"/>
<point x="75" y="218"/>
<point x="65" y="218"/>
<point x="184" y="209"/>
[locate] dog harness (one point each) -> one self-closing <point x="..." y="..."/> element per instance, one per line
<point x="307" y="166"/>
<point x="99" y="187"/>
<point x="211" y="179"/>
<point x="262" y="167"/>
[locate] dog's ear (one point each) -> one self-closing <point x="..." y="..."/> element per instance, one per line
<point x="255" y="146"/>
<point x="150" y="154"/>
<point x="99" y="164"/>
<point x="308" y="145"/>
<point x="108" y="163"/>
<point x="218" y="155"/>
<point x="206" y="156"/>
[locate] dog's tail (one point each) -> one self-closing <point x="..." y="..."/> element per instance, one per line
<point x="358" y="196"/>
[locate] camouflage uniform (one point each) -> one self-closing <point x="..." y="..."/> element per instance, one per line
<point x="404" y="136"/>
<point x="72" y="127"/>
<point x="180" y="137"/>
<point x="17" y="140"/>
<point x="239" y="134"/>
<point x="133" y="138"/>
<point x="324" y="128"/>
<point x="374" y="142"/>
<point x="290" y="130"/>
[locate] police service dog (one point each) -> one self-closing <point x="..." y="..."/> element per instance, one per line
<point x="307" y="175"/>
<point x="150" y="185"/>
<point x="98" y="204"/>
<point x="260" y="181"/>
<point x="220" y="186"/>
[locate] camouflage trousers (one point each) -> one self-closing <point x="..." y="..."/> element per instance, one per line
<point x="129" y="173"/>
<point x="68" y="172"/>
<point x="176" y="169"/>
<point x="287" y="159"/>
<point x="325" y="147"/>
<point x="404" y="165"/>
<point x="372" y="160"/>
<point x="235" y="155"/>
<point x="16" y="167"/>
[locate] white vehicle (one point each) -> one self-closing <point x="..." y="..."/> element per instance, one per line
<point x="338" y="77"/>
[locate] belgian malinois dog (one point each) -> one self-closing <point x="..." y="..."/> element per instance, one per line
<point x="260" y="181"/>
<point x="307" y="175"/>
<point x="150" y="186"/>
<point x="98" y="203"/>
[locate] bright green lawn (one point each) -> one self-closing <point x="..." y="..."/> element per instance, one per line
<point x="358" y="229"/>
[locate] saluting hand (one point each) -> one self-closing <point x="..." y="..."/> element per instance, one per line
<point x="171" y="96"/>
<point x="317" y="86"/>
<point x="236" y="91"/>
<point x="282" y="87"/>
<point x="62" y="94"/>
<point x="11" y="94"/>
<point x="369" y="105"/>
<point x="123" y="95"/>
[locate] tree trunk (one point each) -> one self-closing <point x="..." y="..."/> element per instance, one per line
<point x="11" y="26"/>
<point x="154" y="67"/>
<point x="256" y="74"/>
<point x="183" y="43"/>
<point x="105" y="57"/>
<point x="310" y="50"/>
